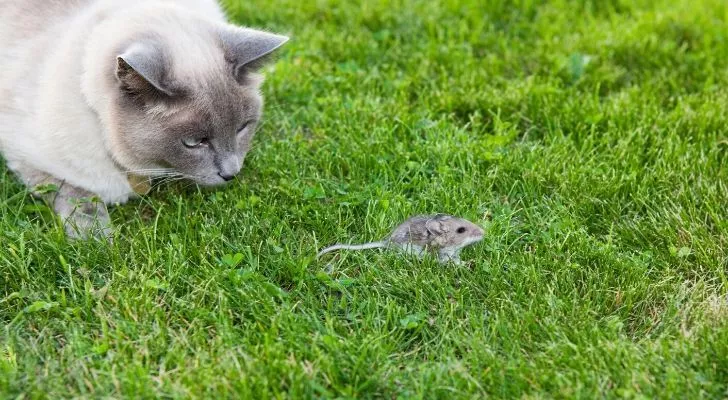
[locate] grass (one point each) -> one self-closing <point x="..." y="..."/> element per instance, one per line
<point x="588" y="137"/>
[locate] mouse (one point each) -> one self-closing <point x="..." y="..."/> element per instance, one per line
<point x="443" y="234"/>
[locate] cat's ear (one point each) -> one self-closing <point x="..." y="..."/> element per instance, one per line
<point x="248" y="49"/>
<point x="141" y="71"/>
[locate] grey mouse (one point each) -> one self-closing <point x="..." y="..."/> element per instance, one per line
<point x="442" y="234"/>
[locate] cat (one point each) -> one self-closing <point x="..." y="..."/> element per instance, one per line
<point x="99" y="96"/>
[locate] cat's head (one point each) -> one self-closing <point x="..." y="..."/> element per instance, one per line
<point x="191" y="103"/>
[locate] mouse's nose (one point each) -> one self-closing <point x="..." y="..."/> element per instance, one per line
<point x="226" y="177"/>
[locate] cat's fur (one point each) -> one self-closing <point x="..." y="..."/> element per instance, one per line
<point x="95" y="91"/>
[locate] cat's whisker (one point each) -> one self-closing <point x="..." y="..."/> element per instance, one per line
<point x="151" y="171"/>
<point x="167" y="175"/>
<point x="169" y="179"/>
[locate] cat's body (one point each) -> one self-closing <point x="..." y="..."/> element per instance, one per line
<point x="94" y="91"/>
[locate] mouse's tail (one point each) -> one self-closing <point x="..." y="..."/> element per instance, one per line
<point x="373" y="245"/>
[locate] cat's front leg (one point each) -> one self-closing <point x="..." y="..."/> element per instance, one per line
<point x="83" y="215"/>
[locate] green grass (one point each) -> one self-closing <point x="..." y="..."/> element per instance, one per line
<point x="588" y="137"/>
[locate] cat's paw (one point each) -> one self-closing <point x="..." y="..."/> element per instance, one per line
<point x="84" y="227"/>
<point x="88" y="219"/>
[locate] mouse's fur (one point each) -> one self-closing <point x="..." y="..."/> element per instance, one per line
<point x="442" y="234"/>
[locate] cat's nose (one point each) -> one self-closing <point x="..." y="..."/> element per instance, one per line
<point x="226" y="177"/>
<point x="229" y="167"/>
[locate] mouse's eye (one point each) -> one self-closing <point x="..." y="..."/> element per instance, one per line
<point x="461" y="230"/>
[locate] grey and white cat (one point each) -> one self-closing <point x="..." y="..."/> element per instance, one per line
<point x="97" y="93"/>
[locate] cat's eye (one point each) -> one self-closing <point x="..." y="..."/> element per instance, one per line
<point x="194" y="143"/>
<point x="244" y="126"/>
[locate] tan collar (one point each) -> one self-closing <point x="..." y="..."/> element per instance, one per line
<point x="141" y="185"/>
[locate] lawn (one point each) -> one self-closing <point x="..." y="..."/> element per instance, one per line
<point x="587" y="137"/>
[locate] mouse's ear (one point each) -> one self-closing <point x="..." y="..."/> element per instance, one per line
<point x="435" y="226"/>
